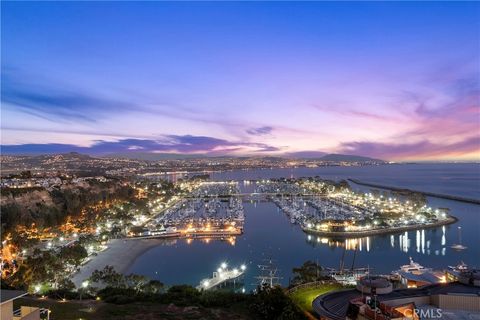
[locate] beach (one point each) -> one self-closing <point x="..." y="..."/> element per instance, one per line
<point x="121" y="254"/>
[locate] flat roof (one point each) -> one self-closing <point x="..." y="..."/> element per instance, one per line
<point x="448" y="314"/>
<point x="334" y="305"/>
<point x="428" y="277"/>
<point x="7" y="295"/>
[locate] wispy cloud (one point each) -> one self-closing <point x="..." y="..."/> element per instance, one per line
<point x="187" y="144"/>
<point x="443" y="121"/>
<point x="418" y="150"/>
<point x="356" y="114"/>
<point x="260" y="131"/>
<point x="56" y="103"/>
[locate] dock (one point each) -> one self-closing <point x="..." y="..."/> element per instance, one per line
<point x="192" y="234"/>
<point x="221" y="276"/>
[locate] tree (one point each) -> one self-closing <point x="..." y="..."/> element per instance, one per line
<point x="153" y="287"/>
<point x="73" y="255"/>
<point x="66" y="284"/>
<point x="273" y="303"/>
<point x="308" y="272"/>
<point x="42" y="267"/>
<point x="109" y="277"/>
<point x="136" y="282"/>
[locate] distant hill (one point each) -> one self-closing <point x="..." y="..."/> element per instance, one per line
<point x="348" y="158"/>
<point x="306" y="154"/>
<point x="146" y="156"/>
<point x="149" y="156"/>
<point x="68" y="156"/>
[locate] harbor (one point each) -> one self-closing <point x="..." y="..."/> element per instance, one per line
<point x="319" y="207"/>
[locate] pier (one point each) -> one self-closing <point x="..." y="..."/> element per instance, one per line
<point x="192" y="233"/>
<point x="221" y="276"/>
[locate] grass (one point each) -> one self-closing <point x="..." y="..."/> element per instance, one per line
<point x="304" y="297"/>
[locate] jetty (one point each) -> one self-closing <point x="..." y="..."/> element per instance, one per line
<point x="426" y="193"/>
<point x="222" y="276"/>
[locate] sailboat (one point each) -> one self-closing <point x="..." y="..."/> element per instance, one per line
<point x="348" y="277"/>
<point x="459" y="246"/>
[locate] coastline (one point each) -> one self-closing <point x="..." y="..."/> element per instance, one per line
<point x="345" y="234"/>
<point x="120" y="254"/>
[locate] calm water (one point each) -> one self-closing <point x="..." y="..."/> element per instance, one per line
<point x="268" y="233"/>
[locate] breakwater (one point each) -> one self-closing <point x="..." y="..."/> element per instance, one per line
<point x="426" y="193"/>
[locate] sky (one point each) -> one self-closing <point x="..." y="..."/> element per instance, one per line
<point x="391" y="80"/>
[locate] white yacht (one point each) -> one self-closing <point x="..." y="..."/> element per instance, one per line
<point x="414" y="267"/>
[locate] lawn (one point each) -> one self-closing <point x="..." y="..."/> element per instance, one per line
<point x="304" y="297"/>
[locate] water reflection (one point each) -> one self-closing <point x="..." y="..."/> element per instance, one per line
<point x="403" y="242"/>
<point x="230" y="240"/>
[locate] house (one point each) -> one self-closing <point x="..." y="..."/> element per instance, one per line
<point x="24" y="313"/>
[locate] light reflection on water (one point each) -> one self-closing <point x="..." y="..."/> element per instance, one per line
<point x="402" y="242"/>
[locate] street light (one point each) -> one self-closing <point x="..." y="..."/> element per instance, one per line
<point x="84" y="286"/>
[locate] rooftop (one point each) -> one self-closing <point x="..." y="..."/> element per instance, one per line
<point x="7" y="295"/>
<point x="334" y="305"/>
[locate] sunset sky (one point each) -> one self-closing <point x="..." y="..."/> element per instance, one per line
<point x="397" y="81"/>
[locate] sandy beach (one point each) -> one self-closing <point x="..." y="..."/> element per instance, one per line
<point x="120" y="254"/>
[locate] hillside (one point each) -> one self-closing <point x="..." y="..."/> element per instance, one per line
<point x="348" y="158"/>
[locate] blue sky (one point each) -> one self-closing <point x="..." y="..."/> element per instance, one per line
<point x="386" y="79"/>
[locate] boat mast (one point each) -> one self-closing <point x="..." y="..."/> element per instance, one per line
<point x="354" y="256"/>
<point x="342" y="261"/>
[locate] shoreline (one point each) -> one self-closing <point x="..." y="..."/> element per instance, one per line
<point x="120" y="254"/>
<point x="346" y="234"/>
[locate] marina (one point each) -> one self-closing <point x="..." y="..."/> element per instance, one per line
<point x="212" y="210"/>
<point x="331" y="209"/>
<point x="327" y="208"/>
<point x="269" y="231"/>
